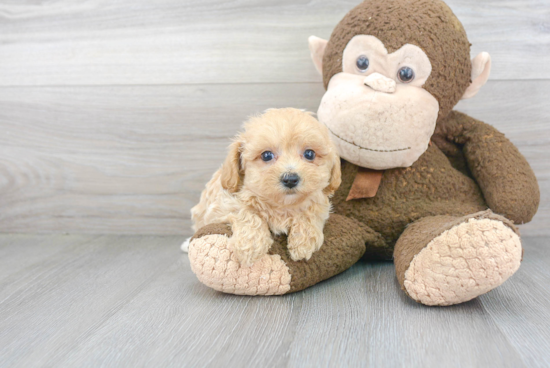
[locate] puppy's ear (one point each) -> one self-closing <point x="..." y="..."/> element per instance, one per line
<point x="232" y="172"/>
<point x="335" y="175"/>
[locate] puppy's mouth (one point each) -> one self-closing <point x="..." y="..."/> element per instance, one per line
<point x="291" y="194"/>
<point x="291" y="191"/>
<point x="291" y="197"/>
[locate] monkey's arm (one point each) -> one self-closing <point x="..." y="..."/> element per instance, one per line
<point x="507" y="181"/>
<point x="214" y="262"/>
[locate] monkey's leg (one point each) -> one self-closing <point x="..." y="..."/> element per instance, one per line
<point x="276" y="273"/>
<point x="445" y="260"/>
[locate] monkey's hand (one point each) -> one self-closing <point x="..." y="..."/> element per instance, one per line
<point x="503" y="174"/>
<point x="251" y="238"/>
<point x="305" y="238"/>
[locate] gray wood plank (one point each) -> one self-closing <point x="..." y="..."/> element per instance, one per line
<point x="134" y="159"/>
<point x="45" y="310"/>
<point x="98" y="42"/>
<point x="521" y="306"/>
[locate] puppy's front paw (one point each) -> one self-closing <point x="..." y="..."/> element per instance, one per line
<point x="246" y="257"/>
<point x="300" y="253"/>
<point x="249" y="250"/>
<point x="302" y="247"/>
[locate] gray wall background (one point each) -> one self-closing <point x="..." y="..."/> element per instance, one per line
<point x="114" y="114"/>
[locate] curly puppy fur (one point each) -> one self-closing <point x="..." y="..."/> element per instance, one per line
<point x="248" y="193"/>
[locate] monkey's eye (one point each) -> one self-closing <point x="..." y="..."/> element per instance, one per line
<point x="405" y="74"/>
<point x="362" y="63"/>
<point x="267" y="156"/>
<point x="309" y="155"/>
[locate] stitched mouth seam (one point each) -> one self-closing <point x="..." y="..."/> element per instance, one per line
<point x="364" y="148"/>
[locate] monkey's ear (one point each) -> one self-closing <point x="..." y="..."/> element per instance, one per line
<point x="317" y="48"/>
<point x="481" y="68"/>
<point x="231" y="171"/>
<point x="335" y="175"/>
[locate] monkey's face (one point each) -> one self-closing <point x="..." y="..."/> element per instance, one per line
<point x="379" y="115"/>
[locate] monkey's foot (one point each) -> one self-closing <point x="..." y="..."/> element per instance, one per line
<point x="472" y="256"/>
<point x="216" y="266"/>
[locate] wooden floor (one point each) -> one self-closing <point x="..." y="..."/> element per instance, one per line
<point x="131" y="301"/>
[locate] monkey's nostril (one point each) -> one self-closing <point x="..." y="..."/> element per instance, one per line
<point x="290" y="180"/>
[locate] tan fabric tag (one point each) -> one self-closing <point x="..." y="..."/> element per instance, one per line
<point x="366" y="184"/>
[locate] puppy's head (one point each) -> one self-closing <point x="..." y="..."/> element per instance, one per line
<point x="282" y="156"/>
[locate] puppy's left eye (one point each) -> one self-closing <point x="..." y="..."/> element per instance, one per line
<point x="309" y="155"/>
<point x="267" y="156"/>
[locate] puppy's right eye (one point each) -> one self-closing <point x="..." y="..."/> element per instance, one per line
<point x="267" y="156"/>
<point x="309" y="155"/>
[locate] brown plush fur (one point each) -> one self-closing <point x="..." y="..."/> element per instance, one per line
<point x="436" y="185"/>
<point x="344" y="245"/>
<point x="428" y="24"/>
<point x="507" y="181"/>
<point x="214" y="229"/>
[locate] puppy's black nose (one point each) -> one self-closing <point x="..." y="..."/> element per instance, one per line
<point x="290" y="180"/>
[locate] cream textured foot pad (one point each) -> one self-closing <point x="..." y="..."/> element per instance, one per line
<point x="216" y="267"/>
<point x="464" y="262"/>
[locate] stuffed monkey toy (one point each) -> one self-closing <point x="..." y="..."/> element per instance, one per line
<point x="432" y="188"/>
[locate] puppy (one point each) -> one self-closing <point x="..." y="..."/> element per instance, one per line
<point x="279" y="175"/>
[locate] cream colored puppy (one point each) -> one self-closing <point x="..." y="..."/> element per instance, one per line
<point x="278" y="177"/>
